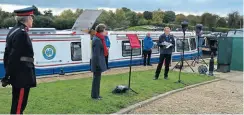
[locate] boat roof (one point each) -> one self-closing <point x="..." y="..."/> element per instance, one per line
<point x="235" y="33"/>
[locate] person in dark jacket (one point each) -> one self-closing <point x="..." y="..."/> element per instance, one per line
<point x="108" y="46"/>
<point x="147" y="49"/>
<point x="98" y="64"/>
<point x="19" y="61"/>
<point x="166" y="43"/>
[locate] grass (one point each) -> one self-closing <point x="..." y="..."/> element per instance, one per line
<point x="73" y="96"/>
<point x="137" y="28"/>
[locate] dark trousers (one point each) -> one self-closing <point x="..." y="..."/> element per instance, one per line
<point x="95" y="93"/>
<point x="19" y="100"/>
<point x="106" y="59"/>
<point x="167" y="58"/>
<point x="147" y="56"/>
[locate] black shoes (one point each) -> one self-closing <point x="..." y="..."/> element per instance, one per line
<point x="166" y="77"/>
<point x="156" y="77"/>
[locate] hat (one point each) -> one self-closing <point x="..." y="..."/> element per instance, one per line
<point x="25" y="11"/>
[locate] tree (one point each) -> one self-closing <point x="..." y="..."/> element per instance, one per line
<point x="233" y="19"/>
<point x="3" y="16"/>
<point x="209" y="20"/>
<point x="157" y="17"/>
<point x="240" y="22"/>
<point x="104" y="17"/>
<point x="67" y="14"/>
<point x="142" y="21"/>
<point x="198" y="19"/>
<point x="8" y="22"/>
<point x="133" y="18"/>
<point x="222" y="22"/>
<point x="147" y="15"/>
<point x="78" y="12"/>
<point x="48" y="13"/>
<point x="192" y="20"/>
<point x="107" y="18"/>
<point x="179" y="18"/>
<point x="112" y="22"/>
<point x="126" y="9"/>
<point x="169" y="16"/>
<point x="63" y="23"/>
<point x="121" y="19"/>
<point x="66" y="20"/>
<point x="43" y="21"/>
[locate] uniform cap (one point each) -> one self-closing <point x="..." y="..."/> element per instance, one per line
<point x="29" y="11"/>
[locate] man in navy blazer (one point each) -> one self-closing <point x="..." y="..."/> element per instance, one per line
<point x="166" y="43"/>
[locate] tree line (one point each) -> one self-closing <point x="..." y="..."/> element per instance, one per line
<point x="124" y="18"/>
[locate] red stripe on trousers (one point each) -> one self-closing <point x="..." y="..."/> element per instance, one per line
<point x="21" y="95"/>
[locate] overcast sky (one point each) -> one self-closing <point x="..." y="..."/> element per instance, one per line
<point x="196" y="7"/>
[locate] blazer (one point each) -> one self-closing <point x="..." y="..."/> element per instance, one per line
<point x="170" y="39"/>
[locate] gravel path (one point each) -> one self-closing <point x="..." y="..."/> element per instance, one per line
<point x="225" y="96"/>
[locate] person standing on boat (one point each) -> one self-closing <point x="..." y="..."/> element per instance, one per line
<point x="147" y="49"/>
<point x="98" y="64"/>
<point x="166" y="43"/>
<point x="108" y="46"/>
<point x="19" y="61"/>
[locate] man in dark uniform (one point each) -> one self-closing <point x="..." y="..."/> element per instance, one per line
<point x="166" y="43"/>
<point x="19" y="61"/>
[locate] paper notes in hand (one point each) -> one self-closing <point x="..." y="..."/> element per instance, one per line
<point x="167" y="44"/>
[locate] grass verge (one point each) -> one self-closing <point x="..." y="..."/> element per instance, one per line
<point x="73" y="96"/>
<point x="137" y="28"/>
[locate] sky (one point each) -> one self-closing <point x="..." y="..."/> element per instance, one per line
<point x="195" y="7"/>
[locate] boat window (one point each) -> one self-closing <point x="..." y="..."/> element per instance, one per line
<point x="155" y="48"/>
<point x="42" y="32"/>
<point x="193" y="43"/>
<point x="126" y="49"/>
<point x="34" y="32"/>
<point x="76" y="51"/>
<point x="179" y="45"/>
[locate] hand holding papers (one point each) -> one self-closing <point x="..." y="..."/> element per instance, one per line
<point x="167" y="44"/>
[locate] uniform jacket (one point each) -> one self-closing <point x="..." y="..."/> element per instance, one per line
<point x="170" y="39"/>
<point x="98" y="59"/>
<point x="18" y="44"/>
<point x="148" y="43"/>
